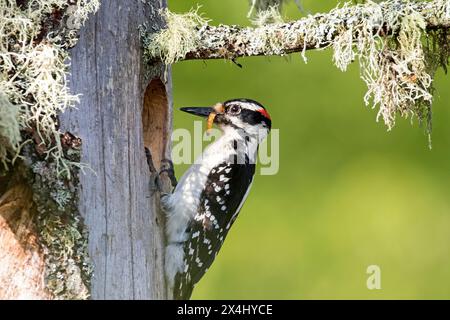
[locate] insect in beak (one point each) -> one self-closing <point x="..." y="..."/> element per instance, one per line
<point x="218" y="108"/>
<point x="208" y="112"/>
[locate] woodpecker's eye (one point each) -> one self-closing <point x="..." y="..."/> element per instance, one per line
<point x="235" y="109"/>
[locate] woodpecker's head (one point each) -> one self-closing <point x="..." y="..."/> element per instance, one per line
<point x="237" y="114"/>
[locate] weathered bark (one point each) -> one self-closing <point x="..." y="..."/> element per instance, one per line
<point x="42" y="237"/>
<point x="125" y="230"/>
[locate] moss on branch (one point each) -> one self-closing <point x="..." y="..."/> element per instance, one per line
<point x="399" y="44"/>
<point x="260" y="6"/>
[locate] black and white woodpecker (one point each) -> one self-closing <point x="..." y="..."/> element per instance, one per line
<point x="207" y="199"/>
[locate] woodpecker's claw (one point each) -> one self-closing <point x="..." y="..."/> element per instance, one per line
<point x="163" y="181"/>
<point x="154" y="176"/>
<point x="148" y="155"/>
<point x="167" y="167"/>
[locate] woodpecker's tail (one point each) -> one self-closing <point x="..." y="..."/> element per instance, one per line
<point x="182" y="288"/>
<point x="183" y="294"/>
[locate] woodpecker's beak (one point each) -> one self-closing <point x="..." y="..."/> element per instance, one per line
<point x="209" y="112"/>
<point x="198" y="111"/>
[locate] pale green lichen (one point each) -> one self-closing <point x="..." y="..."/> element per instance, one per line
<point x="83" y="9"/>
<point x="61" y="196"/>
<point x="391" y="43"/>
<point x="270" y="16"/>
<point x="178" y="38"/>
<point x="35" y="36"/>
<point x="9" y="130"/>
<point x="258" y="6"/>
<point x="33" y="69"/>
<point x="61" y="231"/>
<point x="395" y="67"/>
<point x="398" y="54"/>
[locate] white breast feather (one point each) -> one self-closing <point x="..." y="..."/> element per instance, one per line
<point x="181" y="206"/>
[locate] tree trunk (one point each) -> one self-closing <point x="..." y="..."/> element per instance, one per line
<point x="124" y="107"/>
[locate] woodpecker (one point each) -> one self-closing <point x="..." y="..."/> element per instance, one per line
<point x="206" y="201"/>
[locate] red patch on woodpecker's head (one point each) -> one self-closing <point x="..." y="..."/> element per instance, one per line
<point x="264" y="113"/>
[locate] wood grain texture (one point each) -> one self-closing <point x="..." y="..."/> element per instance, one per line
<point x="125" y="241"/>
<point x="22" y="263"/>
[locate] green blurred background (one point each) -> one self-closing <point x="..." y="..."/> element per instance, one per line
<point x="348" y="194"/>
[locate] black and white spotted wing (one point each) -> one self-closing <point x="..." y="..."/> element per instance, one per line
<point x="226" y="187"/>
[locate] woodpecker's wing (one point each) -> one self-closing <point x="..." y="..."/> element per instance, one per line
<point x="225" y="191"/>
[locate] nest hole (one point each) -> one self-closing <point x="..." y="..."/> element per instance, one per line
<point x="155" y="120"/>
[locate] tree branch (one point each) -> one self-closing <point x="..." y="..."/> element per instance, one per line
<point x="313" y="32"/>
<point x="399" y="45"/>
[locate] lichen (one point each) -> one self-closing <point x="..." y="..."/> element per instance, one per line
<point x="397" y="43"/>
<point x="35" y="36"/>
<point x="258" y="6"/>
<point x="61" y="231"/>
<point x="271" y="15"/>
<point x="387" y="39"/>
<point x="178" y="38"/>
<point x="84" y="9"/>
<point x="34" y="43"/>
<point x="393" y="60"/>
<point x="9" y="130"/>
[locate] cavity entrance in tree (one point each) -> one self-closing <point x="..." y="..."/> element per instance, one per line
<point x="154" y="120"/>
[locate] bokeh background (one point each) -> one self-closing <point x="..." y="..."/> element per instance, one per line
<point x="348" y="194"/>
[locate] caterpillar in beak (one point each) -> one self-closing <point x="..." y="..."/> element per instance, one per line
<point x="218" y="108"/>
